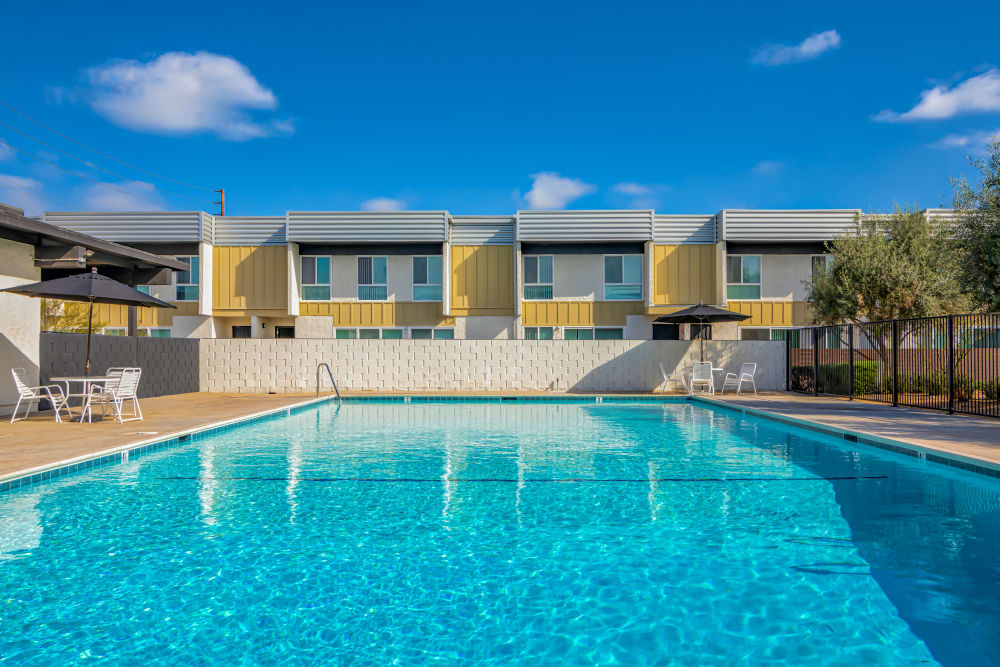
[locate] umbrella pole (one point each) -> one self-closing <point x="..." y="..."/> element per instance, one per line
<point x="90" y="323"/>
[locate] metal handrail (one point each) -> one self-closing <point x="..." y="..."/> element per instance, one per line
<point x="330" y="373"/>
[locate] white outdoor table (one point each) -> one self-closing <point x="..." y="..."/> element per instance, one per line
<point x="87" y="381"/>
<point x="690" y="369"/>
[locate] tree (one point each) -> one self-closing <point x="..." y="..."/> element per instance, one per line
<point x="977" y="229"/>
<point x="893" y="266"/>
<point x="67" y="317"/>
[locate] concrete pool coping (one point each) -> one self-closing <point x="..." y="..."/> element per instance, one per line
<point x="44" y="470"/>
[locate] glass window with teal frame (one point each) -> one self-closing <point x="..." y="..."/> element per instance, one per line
<point x="537" y="277"/>
<point x="344" y="334"/>
<point x="743" y="276"/>
<point x="315" y="277"/>
<point x="537" y="333"/>
<point x="622" y="277"/>
<point x="186" y="282"/>
<point x="578" y="334"/>
<point x="427" y="278"/>
<point x="372" y="281"/>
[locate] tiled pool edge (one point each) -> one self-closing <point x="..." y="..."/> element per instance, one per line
<point x="125" y="452"/>
<point x="970" y="464"/>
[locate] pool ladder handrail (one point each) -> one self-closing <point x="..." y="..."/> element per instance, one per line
<point x="330" y="373"/>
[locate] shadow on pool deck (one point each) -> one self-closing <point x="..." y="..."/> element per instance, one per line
<point x="973" y="437"/>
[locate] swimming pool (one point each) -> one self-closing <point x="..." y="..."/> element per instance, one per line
<point x="493" y="533"/>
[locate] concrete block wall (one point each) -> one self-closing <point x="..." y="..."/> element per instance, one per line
<point x="470" y="365"/>
<point x="169" y="365"/>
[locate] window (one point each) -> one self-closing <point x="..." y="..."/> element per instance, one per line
<point x="315" y="277"/>
<point x="821" y="264"/>
<point x="142" y="288"/>
<point x="241" y="331"/>
<point x="622" y="277"/>
<point x="600" y="333"/>
<point x="156" y="332"/>
<point x="538" y="276"/>
<point x="537" y="333"/>
<point x="755" y="334"/>
<point x="437" y="334"/>
<point x="113" y="331"/>
<point x="372" y="285"/>
<point x="427" y="278"/>
<point x="369" y="334"/>
<point x="743" y="277"/>
<point x="284" y="332"/>
<point x="186" y="282"/>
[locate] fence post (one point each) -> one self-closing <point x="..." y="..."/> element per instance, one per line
<point x="788" y="363"/>
<point x="951" y="364"/>
<point x="895" y="362"/>
<point x="815" y="361"/>
<point x="850" y="362"/>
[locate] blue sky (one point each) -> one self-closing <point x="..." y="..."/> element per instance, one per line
<point x="486" y="108"/>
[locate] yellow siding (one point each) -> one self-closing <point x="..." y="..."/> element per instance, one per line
<point x="578" y="313"/>
<point x="773" y="313"/>
<point x="379" y="314"/>
<point x="246" y="278"/>
<point x="482" y="280"/>
<point x="110" y="315"/>
<point x="684" y="274"/>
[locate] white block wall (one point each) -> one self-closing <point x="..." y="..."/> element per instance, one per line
<point x="228" y="365"/>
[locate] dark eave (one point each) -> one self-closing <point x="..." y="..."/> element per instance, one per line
<point x="16" y="227"/>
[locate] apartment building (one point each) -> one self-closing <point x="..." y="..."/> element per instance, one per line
<point x="577" y="275"/>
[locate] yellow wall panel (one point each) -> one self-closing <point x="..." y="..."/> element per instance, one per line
<point x="578" y="313"/>
<point x="773" y="313"/>
<point x="482" y="279"/>
<point x="378" y="313"/>
<point x="250" y="278"/>
<point x="684" y="274"/>
<point x="111" y="315"/>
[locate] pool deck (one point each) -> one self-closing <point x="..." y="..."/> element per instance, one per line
<point x="975" y="438"/>
<point x="39" y="443"/>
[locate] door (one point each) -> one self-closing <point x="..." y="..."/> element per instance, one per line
<point x="666" y="331"/>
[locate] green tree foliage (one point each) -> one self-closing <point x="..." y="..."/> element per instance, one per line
<point x="977" y="229"/>
<point x="892" y="266"/>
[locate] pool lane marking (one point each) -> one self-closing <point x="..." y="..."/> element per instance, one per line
<point x="438" y="480"/>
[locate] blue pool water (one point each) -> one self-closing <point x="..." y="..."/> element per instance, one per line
<point x="495" y="534"/>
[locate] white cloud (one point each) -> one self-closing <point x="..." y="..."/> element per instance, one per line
<point x="383" y="204"/>
<point x="768" y="168"/>
<point x="99" y="198"/>
<point x="184" y="93"/>
<point x="811" y="47"/>
<point x="977" y="94"/>
<point x="23" y="192"/>
<point x="641" y="195"/>
<point x="550" y="190"/>
<point x="977" y="142"/>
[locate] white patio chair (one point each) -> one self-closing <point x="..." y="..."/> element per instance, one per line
<point x="746" y="374"/>
<point x="116" y="394"/>
<point x="701" y="374"/>
<point x="35" y="394"/>
<point x="672" y="377"/>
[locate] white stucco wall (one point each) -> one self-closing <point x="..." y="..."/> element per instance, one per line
<point x="781" y="276"/>
<point x="477" y="365"/>
<point x="483" y="327"/>
<point x="576" y="277"/>
<point x="195" y="326"/>
<point x="20" y="324"/>
<point x="399" y="278"/>
<point x="314" y="326"/>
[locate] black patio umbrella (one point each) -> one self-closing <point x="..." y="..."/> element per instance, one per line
<point x="701" y="314"/>
<point x="89" y="287"/>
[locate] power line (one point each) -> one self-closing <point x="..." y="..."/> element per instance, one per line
<point x="78" y="175"/>
<point x="99" y="152"/>
<point x="99" y="168"/>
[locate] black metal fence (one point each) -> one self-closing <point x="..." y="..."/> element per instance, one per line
<point x="949" y="362"/>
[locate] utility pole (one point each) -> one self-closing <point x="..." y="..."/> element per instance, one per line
<point x="222" y="201"/>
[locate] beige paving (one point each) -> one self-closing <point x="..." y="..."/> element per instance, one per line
<point x="40" y="441"/>
<point x="970" y="437"/>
